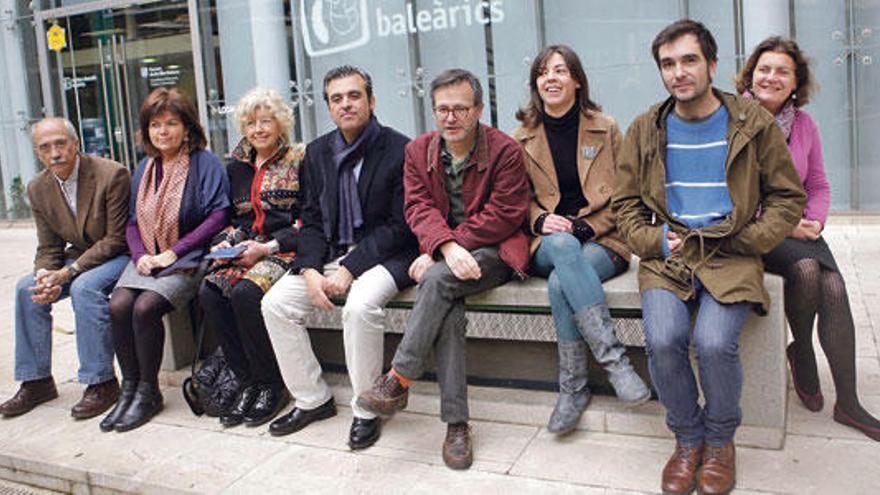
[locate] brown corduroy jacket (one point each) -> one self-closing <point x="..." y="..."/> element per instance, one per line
<point x="97" y="234"/>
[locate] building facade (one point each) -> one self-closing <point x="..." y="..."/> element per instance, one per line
<point x="95" y="61"/>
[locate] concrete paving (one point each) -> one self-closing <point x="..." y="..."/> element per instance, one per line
<point x="178" y="452"/>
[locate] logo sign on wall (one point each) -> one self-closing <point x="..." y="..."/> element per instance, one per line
<point x="56" y="38"/>
<point x="333" y="26"/>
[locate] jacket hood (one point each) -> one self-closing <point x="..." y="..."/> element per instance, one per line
<point x="747" y="115"/>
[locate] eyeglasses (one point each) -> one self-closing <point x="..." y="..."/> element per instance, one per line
<point x="263" y="123"/>
<point x="458" y="112"/>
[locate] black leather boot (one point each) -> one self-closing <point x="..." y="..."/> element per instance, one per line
<point x="147" y="402"/>
<point x="126" y="395"/>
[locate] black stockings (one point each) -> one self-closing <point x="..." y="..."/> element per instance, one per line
<point x="812" y="290"/>
<point x="138" y="333"/>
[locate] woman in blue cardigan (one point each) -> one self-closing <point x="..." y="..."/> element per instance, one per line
<point x="179" y="201"/>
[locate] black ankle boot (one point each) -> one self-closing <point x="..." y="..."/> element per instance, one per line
<point x="147" y="402"/>
<point x="126" y="394"/>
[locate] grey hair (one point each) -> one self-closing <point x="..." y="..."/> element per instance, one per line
<point x="455" y="76"/>
<point x="269" y="100"/>
<point x="68" y="126"/>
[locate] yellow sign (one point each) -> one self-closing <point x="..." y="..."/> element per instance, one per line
<point x="56" y="38"/>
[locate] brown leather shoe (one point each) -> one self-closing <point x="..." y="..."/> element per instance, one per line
<point x="386" y="397"/>
<point x="96" y="399"/>
<point x="458" y="452"/>
<point x="30" y="395"/>
<point x="718" y="474"/>
<point x="680" y="473"/>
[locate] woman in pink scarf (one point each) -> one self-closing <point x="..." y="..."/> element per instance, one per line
<point x="179" y="201"/>
<point x="777" y="75"/>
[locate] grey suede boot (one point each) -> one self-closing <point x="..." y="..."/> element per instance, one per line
<point x="596" y="326"/>
<point x="573" y="392"/>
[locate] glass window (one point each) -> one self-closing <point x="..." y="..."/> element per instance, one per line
<point x="821" y="33"/>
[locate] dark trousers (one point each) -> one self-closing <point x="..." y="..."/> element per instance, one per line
<point x="438" y="323"/>
<point x="241" y="332"/>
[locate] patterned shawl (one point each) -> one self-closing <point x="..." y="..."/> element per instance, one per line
<point x="158" y="207"/>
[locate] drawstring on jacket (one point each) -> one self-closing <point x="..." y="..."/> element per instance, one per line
<point x="673" y="262"/>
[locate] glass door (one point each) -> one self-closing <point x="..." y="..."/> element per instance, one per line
<point x="113" y="58"/>
<point x="866" y="62"/>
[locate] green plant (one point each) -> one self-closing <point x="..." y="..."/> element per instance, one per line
<point x="17" y="193"/>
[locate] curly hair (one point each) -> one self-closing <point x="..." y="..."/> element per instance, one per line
<point x="269" y="100"/>
<point x="804" y="84"/>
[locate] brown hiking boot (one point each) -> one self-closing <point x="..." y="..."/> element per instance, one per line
<point x="31" y="394"/>
<point x="386" y="397"/>
<point x="718" y="474"/>
<point x="458" y="451"/>
<point x="96" y="399"/>
<point x="680" y="473"/>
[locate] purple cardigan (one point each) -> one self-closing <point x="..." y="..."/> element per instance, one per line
<point x="806" y="152"/>
<point x="203" y="209"/>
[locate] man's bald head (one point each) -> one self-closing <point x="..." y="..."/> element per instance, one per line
<point x="55" y="121"/>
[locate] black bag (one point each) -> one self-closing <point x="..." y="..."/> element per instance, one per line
<point x="213" y="387"/>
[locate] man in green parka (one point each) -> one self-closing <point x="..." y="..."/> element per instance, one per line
<point x="705" y="186"/>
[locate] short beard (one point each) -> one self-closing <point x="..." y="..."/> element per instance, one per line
<point x="696" y="96"/>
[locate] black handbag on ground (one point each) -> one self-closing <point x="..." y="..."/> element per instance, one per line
<point x="212" y="387"/>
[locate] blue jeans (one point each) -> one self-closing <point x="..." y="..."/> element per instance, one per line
<point x="94" y="338"/>
<point x="574" y="275"/>
<point x="716" y="340"/>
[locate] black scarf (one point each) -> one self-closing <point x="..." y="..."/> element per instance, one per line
<point x="346" y="156"/>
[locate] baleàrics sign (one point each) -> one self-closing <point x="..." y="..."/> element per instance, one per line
<point x="334" y="26"/>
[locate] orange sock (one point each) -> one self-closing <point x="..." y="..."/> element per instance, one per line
<point x="404" y="381"/>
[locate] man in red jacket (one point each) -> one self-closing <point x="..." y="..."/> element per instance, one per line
<point x="466" y="197"/>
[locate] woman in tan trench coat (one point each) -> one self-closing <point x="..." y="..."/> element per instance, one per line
<point x="570" y="148"/>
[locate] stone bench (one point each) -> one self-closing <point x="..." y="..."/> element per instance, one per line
<point x="520" y="311"/>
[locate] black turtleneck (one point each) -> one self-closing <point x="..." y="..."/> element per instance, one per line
<point x="562" y="136"/>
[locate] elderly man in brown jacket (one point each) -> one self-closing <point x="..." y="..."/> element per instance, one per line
<point x="80" y="207"/>
<point x="705" y="186"/>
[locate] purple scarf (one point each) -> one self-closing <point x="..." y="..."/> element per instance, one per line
<point x="784" y="117"/>
<point x="346" y="156"/>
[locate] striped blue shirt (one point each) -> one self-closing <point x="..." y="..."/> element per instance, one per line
<point x="696" y="189"/>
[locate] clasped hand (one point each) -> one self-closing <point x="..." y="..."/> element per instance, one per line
<point x="321" y="288"/>
<point x="460" y="261"/>
<point x="147" y="263"/>
<point x="807" y="230"/>
<point x="48" y="284"/>
<point x="554" y="223"/>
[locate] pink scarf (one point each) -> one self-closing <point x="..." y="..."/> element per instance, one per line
<point x="784" y="117"/>
<point x="158" y="208"/>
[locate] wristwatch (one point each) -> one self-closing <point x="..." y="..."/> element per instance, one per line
<point x="73" y="271"/>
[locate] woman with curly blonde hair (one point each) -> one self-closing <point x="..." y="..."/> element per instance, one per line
<point x="264" y="185"/>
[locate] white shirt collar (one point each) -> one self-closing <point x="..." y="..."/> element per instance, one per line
<point x="74" y="176"/>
